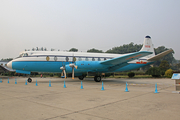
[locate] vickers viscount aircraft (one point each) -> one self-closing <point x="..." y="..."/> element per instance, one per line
<point x="91" y="63"/>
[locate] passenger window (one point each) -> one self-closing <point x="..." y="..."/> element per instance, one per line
<point x="99" y="59"/>
<point x="67" y="59"/>
<point x="104" y="58"/>
<point x="80" y="59"/>
<point x="93" y="59"/>
<point x="47" y="58"/>
<point x="55" y="58"/>
<point x="87" y="59"/>
<point x="74" y="59"/>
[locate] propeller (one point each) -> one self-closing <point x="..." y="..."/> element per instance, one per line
<point x="73" y="66"/>
<point x="63" y="71"/>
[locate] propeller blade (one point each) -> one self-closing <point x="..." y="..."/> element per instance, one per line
<point x="64" y="73"/>
<point x="75" y="66"/>
<point x="73" y="73"/>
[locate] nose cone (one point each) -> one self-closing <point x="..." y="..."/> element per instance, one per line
<point x="9" y="64"/>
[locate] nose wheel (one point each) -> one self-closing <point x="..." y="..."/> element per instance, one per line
<point x="29" y="80"/>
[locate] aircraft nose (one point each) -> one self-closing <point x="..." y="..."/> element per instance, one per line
<point x="9" y="64"/>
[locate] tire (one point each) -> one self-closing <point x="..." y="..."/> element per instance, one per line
<point x="97" y="78"/>
<point x="29" y="80"/>
<point x="81" y="77"/>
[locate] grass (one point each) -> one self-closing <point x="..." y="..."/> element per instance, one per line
<point x="126" y="76"/>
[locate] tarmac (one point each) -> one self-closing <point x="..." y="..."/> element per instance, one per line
<point x="41" y="102"/>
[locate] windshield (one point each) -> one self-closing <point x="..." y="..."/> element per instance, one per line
<point x="22" y="55"/>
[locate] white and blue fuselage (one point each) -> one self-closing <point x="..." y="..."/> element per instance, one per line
<point x="78" y="63"/>
<point x="51" y="61"/>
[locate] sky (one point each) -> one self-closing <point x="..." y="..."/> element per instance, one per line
<point x="87" y="24"/>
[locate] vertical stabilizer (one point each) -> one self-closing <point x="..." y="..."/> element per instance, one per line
<point x="148" y="46"/>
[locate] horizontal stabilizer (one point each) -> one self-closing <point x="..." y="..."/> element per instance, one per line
<point x="126" y="58"/>
<point x="159" y="56"/>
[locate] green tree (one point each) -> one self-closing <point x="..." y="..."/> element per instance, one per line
<point x="164" y="65"/>
<point x="73" y="50"/>
<point x="126" y="48"/>
<point x="95" y="50"/>
<point x="131" y="74"/>
<point x="154" y="71"/>
<point x="7" y="59"/>
<point x="178" y="66"/>
<point x="169" y="73"/>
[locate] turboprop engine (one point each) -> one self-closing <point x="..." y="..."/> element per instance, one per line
<point x="68" y="68"/>
<point x="81" y="65"/>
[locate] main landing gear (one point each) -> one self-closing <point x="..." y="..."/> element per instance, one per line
<point x="29" y="80"/>
<point x="97" y="78"/>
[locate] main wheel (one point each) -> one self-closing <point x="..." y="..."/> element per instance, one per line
<point x="81" y="77"/>
<point x="97" y="78"/>
<point x="29" y="80"/>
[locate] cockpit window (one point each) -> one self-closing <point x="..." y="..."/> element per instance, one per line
<point x="21" y="55"/>
<point x="25" y="54"/>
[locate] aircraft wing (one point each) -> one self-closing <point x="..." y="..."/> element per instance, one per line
<point x="126" y="58"/>
<point x="160" y="55"/>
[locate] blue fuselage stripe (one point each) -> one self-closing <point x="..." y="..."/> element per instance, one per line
<point x="54" y="66"/>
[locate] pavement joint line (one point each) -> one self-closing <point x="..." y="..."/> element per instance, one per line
<point x="21" y="98"/>
<point x="80" y="111"/>
<point x="165" y="87"/>
<point x="114" y="102"/>
<point x="63" y="116"/>
<point x="36" y="95"/>
<point x="102" y="105"/>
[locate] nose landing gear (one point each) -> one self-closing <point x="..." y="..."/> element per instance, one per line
<point x="81" y="77"/>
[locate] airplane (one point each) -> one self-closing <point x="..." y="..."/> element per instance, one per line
<point x="79" y="63"/>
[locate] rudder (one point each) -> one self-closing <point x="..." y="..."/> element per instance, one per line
<point x="148" y="46"/>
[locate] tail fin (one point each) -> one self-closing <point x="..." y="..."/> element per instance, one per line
<point x="148" y="46"/>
